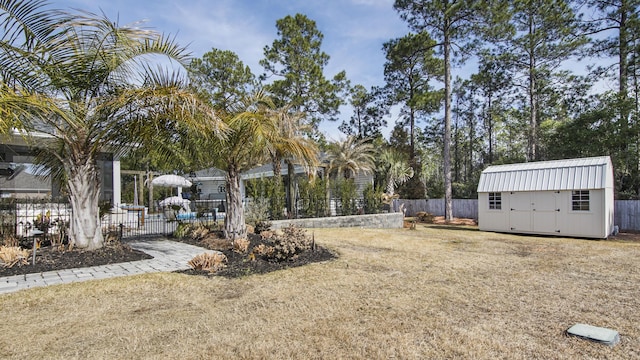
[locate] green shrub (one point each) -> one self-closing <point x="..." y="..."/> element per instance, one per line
<point x="313" y="198"/>
<point x="346" y="192"/>
<point x="372" y="199"/>
<point x="273" y="197"/>
<point x="257" y="211"/>
<point x="182" y="230"/>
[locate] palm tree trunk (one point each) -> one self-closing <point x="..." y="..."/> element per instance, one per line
<point x="390" y="186"/>
<point x="84" y="197"/>
<point x="234" y="225"/>
<point x="276" y="201"/>
<point x="291" y="205"/>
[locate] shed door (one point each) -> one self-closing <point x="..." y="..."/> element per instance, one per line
<point x="520" y="211"/>
<point x="545" y="211"/>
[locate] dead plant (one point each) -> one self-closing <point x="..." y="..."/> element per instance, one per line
<point x="210" y="262"/>
<point x="215" y="242"/>
<point x="199" y="231"/>
<point x="263" y="250"/>
<point x="287" y="243"/>
<point x="241" y="245"/>
<point x="10" y="241"/>
<point x="13" y="255"/>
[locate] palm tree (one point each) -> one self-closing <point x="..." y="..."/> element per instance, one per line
<point x="293" y="148"/>
<point x="248" y="144"/>
<point x="348" y="158"/>
<point x="396" y="169"/>
<point x="89" y="85"/>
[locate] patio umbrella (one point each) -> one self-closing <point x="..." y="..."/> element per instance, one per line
<point x="171" y="181"/>
<point x="176" y="200"/>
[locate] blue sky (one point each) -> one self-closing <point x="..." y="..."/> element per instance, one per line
<point x="354" y="30"/>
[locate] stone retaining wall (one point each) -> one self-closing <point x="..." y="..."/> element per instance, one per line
<point x="386" y="221"/>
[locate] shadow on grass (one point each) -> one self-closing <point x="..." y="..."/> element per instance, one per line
<point x="452" y="227"/>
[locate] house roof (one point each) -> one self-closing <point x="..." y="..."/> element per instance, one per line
<point x="569" y="174"/>
<point x="262" y="171"/>
<point x="210" y="174"/>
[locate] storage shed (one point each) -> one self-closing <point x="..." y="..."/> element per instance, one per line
<point x="572" y="197"/>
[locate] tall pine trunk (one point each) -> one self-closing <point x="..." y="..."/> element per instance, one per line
<point x="84" y="196"/>
<point x="234" y="225"/>
<point x="532" y="139"/>
<point x="448" y="201"/>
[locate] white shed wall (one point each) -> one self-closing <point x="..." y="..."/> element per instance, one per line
<point x="537" y="197"/>
<point x="548" y="213"/>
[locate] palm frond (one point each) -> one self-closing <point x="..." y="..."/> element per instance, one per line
<point x="28" y="22"/>
<point x="350" y="156"/>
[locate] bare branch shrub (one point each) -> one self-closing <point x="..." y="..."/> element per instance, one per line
<point x="286" y="243"/>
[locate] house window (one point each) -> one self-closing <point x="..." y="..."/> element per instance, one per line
<point x="580" y="200"/>
<point x="495" y="201"/>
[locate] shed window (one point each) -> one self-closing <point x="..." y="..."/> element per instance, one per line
<point x="580" y="200"/>
<point x="495" y="201"/>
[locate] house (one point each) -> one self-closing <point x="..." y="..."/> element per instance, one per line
<point x="210" y="183"/>
<point x="18" y="178"/>
<point x="572" y="197"/>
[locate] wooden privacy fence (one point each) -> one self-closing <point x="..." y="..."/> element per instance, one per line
<point x="627" y="212"/>
<point x="462" y="208"/>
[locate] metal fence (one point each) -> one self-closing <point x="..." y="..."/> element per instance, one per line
<point x="25" y="218"/>
<point x="20" y="218"/>
<point x="136" y="222"/>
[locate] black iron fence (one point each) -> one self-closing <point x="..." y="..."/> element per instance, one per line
<point x="25" y="218"/>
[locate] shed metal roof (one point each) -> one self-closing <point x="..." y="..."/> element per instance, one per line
<point x="570" y="174"/>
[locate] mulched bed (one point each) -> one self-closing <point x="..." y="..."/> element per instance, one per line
<point x="49" y="258"/>
<point x="240" y="265"/>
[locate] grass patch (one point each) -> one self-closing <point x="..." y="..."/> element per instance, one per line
<point x="432" y="292"/>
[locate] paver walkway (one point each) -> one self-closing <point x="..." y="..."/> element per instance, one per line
<point x="167" y="256"/>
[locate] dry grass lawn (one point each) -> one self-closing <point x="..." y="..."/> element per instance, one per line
<point x="432" y="293"/>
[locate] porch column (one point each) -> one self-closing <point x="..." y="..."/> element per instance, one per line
<point x="117" y="184"/>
